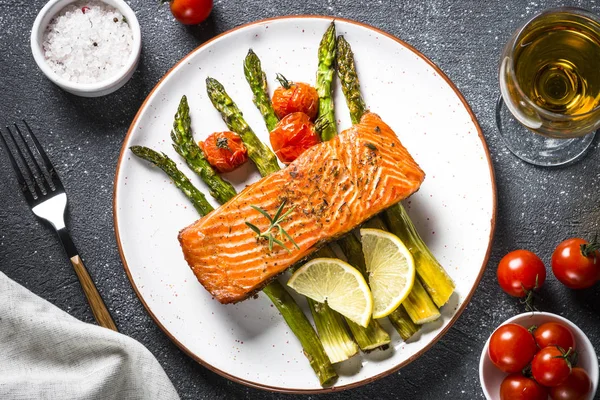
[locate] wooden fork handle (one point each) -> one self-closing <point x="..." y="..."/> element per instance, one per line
<point x="97" y="305"/>
<point x="101" y="313"/>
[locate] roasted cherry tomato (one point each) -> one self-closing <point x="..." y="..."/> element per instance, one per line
<point x="576" y="263"/>
<point x="225" y="151"/>
<point x="519" y="387"/>
<point x="511" y="348"/>
<point x="550" y="366"/>
<point x="519" y="272"/>
<point x="554" y="334"/>
<point x="293" y="97"/>
<point x="292" y="136"/>
<point x="190" y="12"/>
<point x="576" y="387"/>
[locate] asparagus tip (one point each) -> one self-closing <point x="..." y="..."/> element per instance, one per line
<point x="331" y="28"/>
<point x="135" y="149"/>
<point x="213" y="83"/>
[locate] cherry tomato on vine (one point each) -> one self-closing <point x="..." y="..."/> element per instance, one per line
<point x="190" y="12"/>
<point x="225" y="151"/>
<point x="576" y="387"/>
<point x="520" y="271"/>
<point x="293" y="97"/>
<point x="519" y="387"/>
<point x="554" y="334"/>
<point x="511" y="348"/>
<point x="292" y="136"/>
<point x="576" y="263"/>
<point x="550" y="367"/>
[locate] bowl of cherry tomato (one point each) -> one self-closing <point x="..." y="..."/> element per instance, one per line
<point x="538" y="356"/>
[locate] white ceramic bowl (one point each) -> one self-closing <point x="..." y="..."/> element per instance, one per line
<point x="104" y="87"/>
<point x="491" y="377"/>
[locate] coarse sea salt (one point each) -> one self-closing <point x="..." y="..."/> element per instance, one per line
<point x="87" y="42"/>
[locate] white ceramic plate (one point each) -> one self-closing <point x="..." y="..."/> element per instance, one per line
<point x="454" y="210"/>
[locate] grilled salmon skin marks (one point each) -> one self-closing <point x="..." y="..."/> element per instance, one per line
<point x="332" y="187"/>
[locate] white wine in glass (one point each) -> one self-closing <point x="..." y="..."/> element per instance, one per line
<point x="550" y="85"/>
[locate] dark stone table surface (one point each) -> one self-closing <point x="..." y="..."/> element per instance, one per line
<point x="537" y="207"/>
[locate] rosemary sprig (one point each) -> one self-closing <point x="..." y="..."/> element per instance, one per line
<point x="321" y="123"/>
<point x="275" y="222"/>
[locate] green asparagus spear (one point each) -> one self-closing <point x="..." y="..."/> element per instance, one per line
<point x="435" y="280"/>
<point x="289" y="309"/>
<point x="418" y="305"/>
<point x="352" y="248"/>
<point x="257" y="80"/>
<point x="337" y="345"/>
<point x="181" y="181"/>
<point x="349" y="79"/>
<point x="372" y="337"/>
<point x="403" y="323"/>
<point x="369" y="338"/>
<point x="325" y="73"/>
<point x="184" y="145"/>
<point x="366" y="338"/>
<point x="259" y="153"/>
<point x="296" y="320"/>
<point x="320" y="364"/>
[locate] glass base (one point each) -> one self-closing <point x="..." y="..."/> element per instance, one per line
<point x="537" y="149"/>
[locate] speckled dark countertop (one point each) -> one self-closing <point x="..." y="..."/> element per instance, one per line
<point x="537" y="208"/>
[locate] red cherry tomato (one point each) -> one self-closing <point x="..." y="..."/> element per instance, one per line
<point x="225" y="151"/>
<point x="519" y="271"/>
<point x="190" y="12"/>
<point x="554" y="334"/>
<point x="292" y="136"/>
<point x="576" y="263"/>
<point x="293" y="97"/>
<point x="511" y="348"/>
<point x="576" y="387"/>
<point x="550" y="367"/>
<point x="519" y="387"/>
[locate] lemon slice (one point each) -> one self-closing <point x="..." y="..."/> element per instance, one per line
<point x="390" y="269"/>
<point x="339" y="284"/>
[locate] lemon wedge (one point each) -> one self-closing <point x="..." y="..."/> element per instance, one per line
<point x="339" y="284"/>
<point x="390" y="269"/>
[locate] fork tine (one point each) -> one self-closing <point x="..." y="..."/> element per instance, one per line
<point x="43" y="177"/>
<point x="15" y="166"/>
<point x="49" y="167"/>
<point x="34" y="181"/>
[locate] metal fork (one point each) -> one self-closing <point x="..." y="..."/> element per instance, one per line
<point x="47" y="198"/>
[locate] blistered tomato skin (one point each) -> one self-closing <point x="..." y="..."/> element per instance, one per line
<point x="225" y="151"/>
<point x="511" y="348"/>
<point x="292" y="136"/>
<point x="297" y="97"/>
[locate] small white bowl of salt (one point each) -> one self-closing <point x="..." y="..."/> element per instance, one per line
<point x="87" y="47"/>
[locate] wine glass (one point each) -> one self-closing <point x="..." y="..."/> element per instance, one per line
<point x="549" y="107"/>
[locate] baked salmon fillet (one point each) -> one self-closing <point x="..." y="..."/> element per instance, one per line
<point x="330" y="189"/>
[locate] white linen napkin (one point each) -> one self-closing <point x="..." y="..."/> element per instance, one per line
<point x="47" y="354"/>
